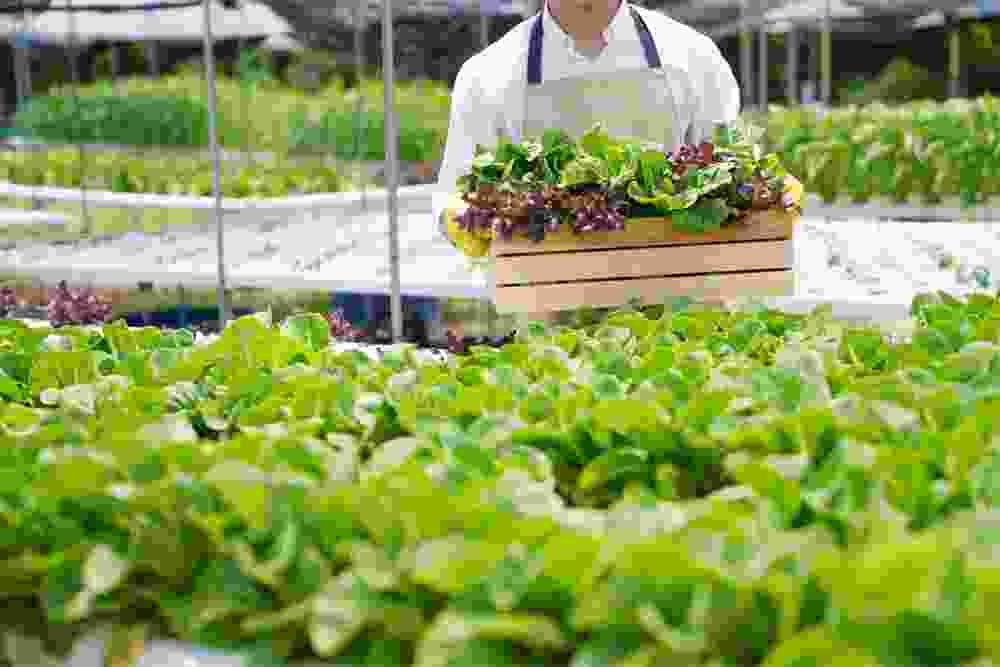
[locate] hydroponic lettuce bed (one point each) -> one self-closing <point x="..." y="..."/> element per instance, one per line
<point x="702" y="488"/>
<point x="129" y="172"/>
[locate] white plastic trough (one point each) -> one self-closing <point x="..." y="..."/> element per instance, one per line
<point x="434" y="270"/>
<point x="911" y="211"/>
<point x="409" y="197"/>
<point x="13" y="217"/>
<point x="127" y="276"/>
<point x="418" y="197"/>
<point x="415" y="282"/>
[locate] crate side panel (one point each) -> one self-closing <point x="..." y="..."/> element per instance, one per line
<point x="614" y="293"/>
<point x="643" y="262"/>
<point x="759" y="226"/>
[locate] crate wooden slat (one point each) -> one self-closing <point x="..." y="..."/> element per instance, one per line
<point x="647" y="261"/>
<point x="644" y="262"/>
<point x="550" y="297"/>
<point x="758" y="226"/>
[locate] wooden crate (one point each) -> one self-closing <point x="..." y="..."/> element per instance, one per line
<point x="648" y="261"/>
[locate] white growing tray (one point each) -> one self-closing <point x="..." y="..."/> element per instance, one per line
<point x="341" y="236"/>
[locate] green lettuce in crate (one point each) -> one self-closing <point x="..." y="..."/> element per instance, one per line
<point x="596" y="182"/>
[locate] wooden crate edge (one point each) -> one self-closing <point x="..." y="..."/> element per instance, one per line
<point x="616" y="293"/>
<point x="657" y="261"/>
<point x="766" y="225"/>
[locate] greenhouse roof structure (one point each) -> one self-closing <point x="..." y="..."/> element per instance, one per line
<point x="182" y="22"/>
<point x="707" y="15"/>
<point x="255" y="19"/>
<point x="722" y="18"/>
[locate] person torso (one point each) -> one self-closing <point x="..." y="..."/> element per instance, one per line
<point x="502" y="66"/>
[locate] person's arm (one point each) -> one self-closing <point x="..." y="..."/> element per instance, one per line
<point x="717" y="93"/>
<point x="470" y="123"/>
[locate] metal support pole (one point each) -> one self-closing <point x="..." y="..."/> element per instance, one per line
<point x="29" y="72"/>
<point x="391" y="170"/>
<point x="954" y="57"/>
<point x="213" y="142"/>
<point x="116" y="65"/>
<point x="359" y="34"/>
<point x="73" y="51"/>
<point x="24" y="85"/>
<point x="152" y="58"/>
<point x="815" y="67"/>
<point x="826" y="57"/>
<point x="746" y="57"/>
<point x="18" y="72"/>
<point x="72" y="47"/>
<point x="763" y="90"/>
<point x="360" y="128"/>
<point x="114" y="51"/>
<point x="22" y="62"/>
<point x="484" y="26"/>
<point x="792" y="67"/>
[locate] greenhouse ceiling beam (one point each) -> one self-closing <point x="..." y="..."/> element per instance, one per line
<point x="851" y="16"/>
<point x="104" y="8"/>
<point x="882" y="28"/>
<point x="715" y="12"/>
<point x="906" y="8"/>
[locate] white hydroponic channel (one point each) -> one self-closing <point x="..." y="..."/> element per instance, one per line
<point x="861" y="264"/>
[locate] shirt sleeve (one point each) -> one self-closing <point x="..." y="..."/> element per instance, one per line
<point x="718" y="94"/>
<point x="470" y="123"/>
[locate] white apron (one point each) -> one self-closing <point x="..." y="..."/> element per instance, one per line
<point x="640" y="104"/>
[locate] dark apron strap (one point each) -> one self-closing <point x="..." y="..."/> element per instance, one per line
<point x="535" y="46"/>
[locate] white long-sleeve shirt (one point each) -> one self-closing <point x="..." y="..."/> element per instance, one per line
<point x="489" y="91"/>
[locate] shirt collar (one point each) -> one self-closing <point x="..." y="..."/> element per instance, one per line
<point x="617" y="29"/>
